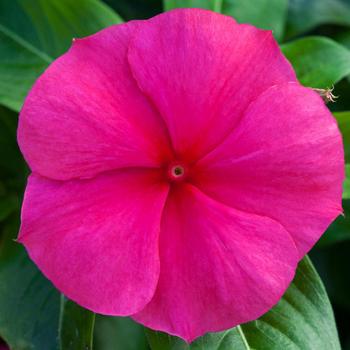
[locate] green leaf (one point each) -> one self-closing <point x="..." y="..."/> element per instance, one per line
<point x="343" y="119"/>
<point x="346" y="185"/>
<point x="76" y="326"/>
<point x="119" y="333"/>
<point x="29" y="304"/>
<point x="304" y="15"/>
<point x="318" y="61"/>
<point x="214" y="5"/>
<point x="265" y="14"/>
<point x="33" y="33"/>
<point x="303" y="319"/>
<point x="231" y="339"/>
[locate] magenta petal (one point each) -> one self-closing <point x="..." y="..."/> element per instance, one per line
<point x="97" y="240"/>
<point x="202" y="71"/>
<point x="86" y="114"/>
<point x="219" y="266"/>
<point x="285" y="161"/>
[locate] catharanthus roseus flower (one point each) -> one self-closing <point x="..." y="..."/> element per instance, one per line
<point x="180" y="172"/>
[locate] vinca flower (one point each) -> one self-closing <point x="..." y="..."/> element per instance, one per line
<point x="179" y="172"/>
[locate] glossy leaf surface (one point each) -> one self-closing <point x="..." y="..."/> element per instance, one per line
<point x="318" y="61"/>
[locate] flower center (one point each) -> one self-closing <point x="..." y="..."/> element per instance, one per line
<point x="176" y="172"/>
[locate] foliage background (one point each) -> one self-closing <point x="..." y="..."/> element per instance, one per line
<point x="32" y="33"/>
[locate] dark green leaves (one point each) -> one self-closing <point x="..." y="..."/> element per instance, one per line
<point x="33" y="33"/>
<point x="303" y="319"/>
<point x="76" y="326"/>
<point x="318" y="61"/>
<point x="29" y="304"/>
<point x="214" y="5"/>
<point x="119" y="333"/>
<point x="231" y="339"/>
<point x="265" y="14"/>
<point x="304" y="15"/>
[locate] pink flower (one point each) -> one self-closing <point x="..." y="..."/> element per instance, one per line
<point x="180" y="172"/>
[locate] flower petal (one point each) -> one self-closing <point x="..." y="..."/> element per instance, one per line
<point x="285" y="160"/>
<point x="202" y="72"/>
<point x="97" y="240"/>
<point x="219" y="267"/>
<point x="86" y="115"/>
